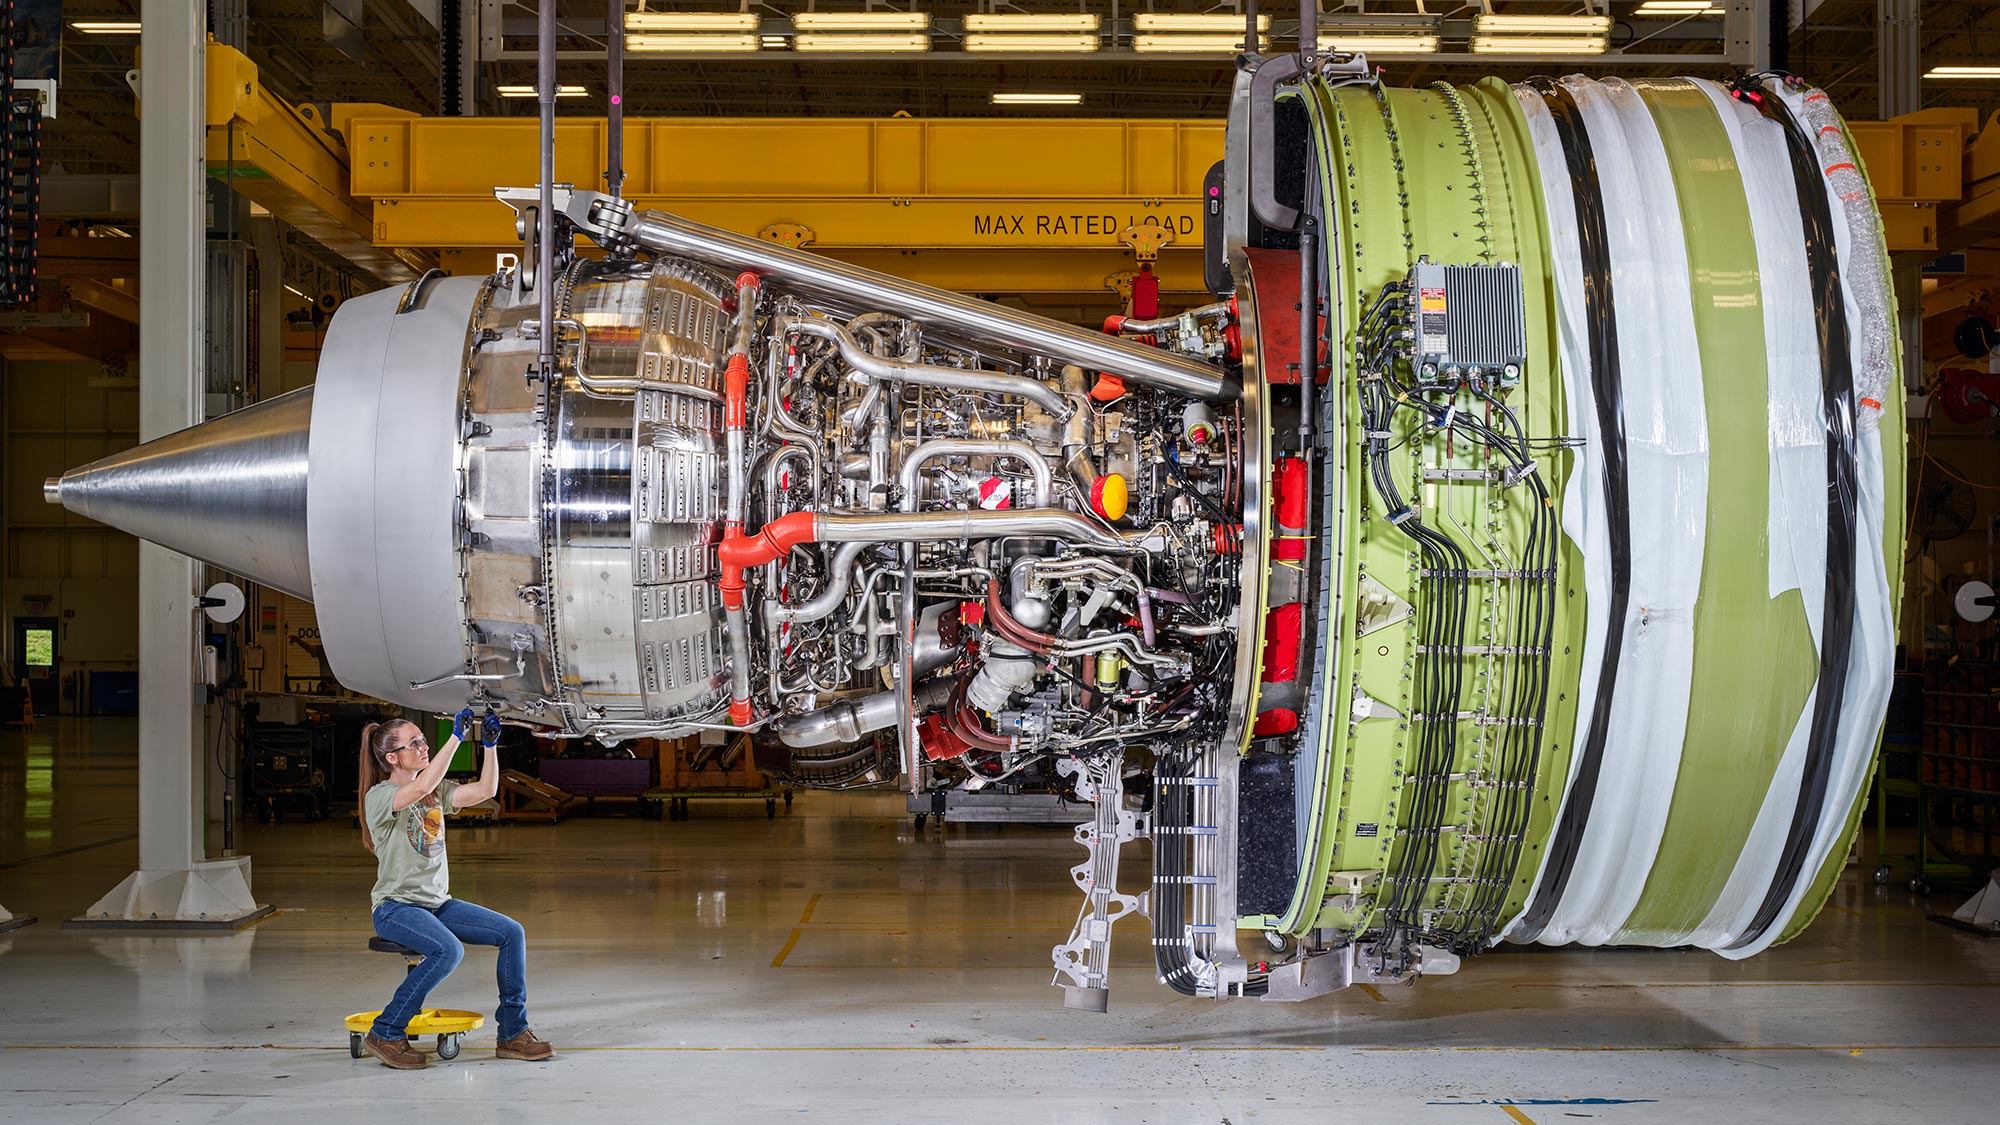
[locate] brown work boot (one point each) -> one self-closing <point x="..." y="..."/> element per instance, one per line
<point x="524" y="1047"/>
<point x="396" y="1053"/>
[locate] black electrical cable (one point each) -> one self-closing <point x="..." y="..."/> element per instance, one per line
<point x="1837" y="615"/>
<point x="1601" y="316"/>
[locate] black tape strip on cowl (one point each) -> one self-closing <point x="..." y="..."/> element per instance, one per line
<point x="1607" y="386"/>
<point x="1837" y="620"/>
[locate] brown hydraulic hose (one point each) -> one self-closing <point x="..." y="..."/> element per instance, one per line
<point x="962" y="721"/>
<point x="1003" y="622"/>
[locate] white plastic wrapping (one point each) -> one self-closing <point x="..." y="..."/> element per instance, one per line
<point x="1797" y="437"/>
<point x="1666" y="453"/>
<point x="1583" y="507"/>
<point x="1872" y="352"/>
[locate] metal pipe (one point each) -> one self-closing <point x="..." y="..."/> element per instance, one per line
<point x="773" y="472"/>
<point x="545" y="224"/>
<point x="926" y="375"/>
<point x="839" y="581"/>
<point x="1161" y="324"/>
<point x="919" y="527"/>
<point x="736" y="392"/>
<point x="775" y="539"/>
<point x="824" y="277"/>
<point x="955" y="447"/>
<point x="614" y="88"/>
<point x="849" y="720"/>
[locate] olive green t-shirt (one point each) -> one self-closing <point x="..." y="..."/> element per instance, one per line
<point x="409" y="846"/>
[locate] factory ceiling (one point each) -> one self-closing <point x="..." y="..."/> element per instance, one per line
<point x="97" y="132"/>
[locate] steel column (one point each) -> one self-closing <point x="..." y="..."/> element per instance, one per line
<point x="173" y="886"/>
<point x="173" y="268"/>
<point x="1899" y="26"/>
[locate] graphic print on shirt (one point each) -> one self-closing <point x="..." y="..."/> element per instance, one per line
<point x="427" y="829"/>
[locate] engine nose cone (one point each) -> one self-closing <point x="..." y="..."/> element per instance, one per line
<point x="231" y="492"/>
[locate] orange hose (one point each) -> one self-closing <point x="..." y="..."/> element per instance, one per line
<point x="738" y="553"/>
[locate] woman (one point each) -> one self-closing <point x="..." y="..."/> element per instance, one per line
<point x="403" y="800"/>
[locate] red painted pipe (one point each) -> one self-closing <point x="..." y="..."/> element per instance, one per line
<point x="741" y="552"/>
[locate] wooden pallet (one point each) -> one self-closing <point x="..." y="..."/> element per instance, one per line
<point x="526" y="798"/>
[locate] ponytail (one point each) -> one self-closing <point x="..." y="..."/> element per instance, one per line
<point x="373" y="771"/>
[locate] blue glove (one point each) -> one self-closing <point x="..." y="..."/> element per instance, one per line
<point x="461" y="723"/>
<point x="489" y="730"/>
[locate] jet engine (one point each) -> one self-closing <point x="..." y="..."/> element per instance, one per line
<point x="1508" y="552"/>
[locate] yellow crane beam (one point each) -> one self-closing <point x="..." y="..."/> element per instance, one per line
<point x="283" y="157"/>
<point x="981" y="206"/>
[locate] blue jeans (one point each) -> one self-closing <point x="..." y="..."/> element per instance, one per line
<point x="441" y="935"/>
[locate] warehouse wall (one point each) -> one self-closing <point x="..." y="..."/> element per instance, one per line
<point x="59" y="415"/>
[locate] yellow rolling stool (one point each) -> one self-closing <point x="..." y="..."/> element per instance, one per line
<point x="448" y="1024"/>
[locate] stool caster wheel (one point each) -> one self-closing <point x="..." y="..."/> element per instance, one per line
<point x="1920" y="888"/>
<point x="770" y="808"/>
<point x="354" y="1045"/>
<point x="448" y="1047"/>
<point x="921" y="819"/>
<point x="1882" y="875"/>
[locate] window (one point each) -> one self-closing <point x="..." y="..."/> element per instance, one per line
<point x="38" y="647"/>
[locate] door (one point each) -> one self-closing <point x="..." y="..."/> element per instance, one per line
<point x="35" y="660"/>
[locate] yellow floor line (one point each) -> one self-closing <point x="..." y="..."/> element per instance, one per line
<point x="807" y="917"/>
<point x="1373" y="992"/>
<point x="778" y="962"/>
<point x="1514" y="1113"/>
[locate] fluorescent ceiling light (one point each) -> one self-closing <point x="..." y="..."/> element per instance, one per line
<point x="1540" y="45"/>
<point x="1963" y="72"/>
<point x="107" y="27"/>
<point x="1032" y="44"/>
<point x="1677" y="9"/>
<point x="1034" y="21"/>
<point x="1185" y="21"/>
<point x="862" y="21"/>
<point x="862" y="43"/>
<point x="1381" y="44"/>
<point x="1543" y="25"/>
<point x="692" y="42"/>
<point x="692" y="21"/>
<point x="1192" y="44"/>
<point x="1037" y="99"/>
<point x="529" y="91"/>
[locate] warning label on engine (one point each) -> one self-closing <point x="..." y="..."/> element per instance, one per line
<point x="1431" y="309"/>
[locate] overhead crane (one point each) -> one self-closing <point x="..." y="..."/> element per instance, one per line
<point x="1050" y="210"/>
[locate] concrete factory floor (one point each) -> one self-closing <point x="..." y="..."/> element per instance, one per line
<point x="828" y="966"/>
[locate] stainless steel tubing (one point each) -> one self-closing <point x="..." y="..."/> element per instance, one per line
<point x="917" y="527"/>
<point x="774" y="465"/>
<point x="950" y="378"/>
<point x="955" y="447"/>
<point x="839" y="580"/>
<point x="1160" y="324"/>
<point x="670" y="234"/>
<point x="849" y="720"/>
